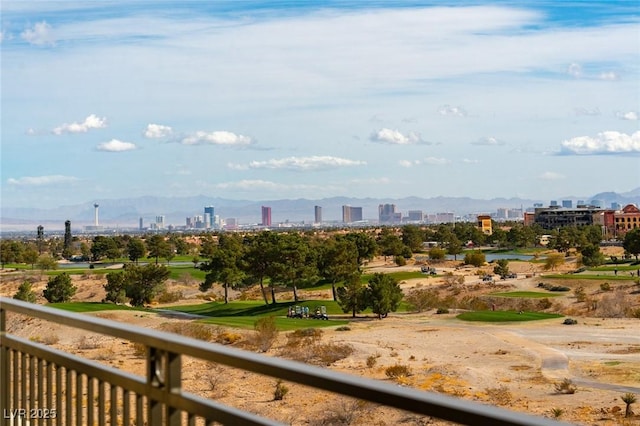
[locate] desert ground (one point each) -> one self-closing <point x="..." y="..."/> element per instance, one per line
<point x="513" y="365"/>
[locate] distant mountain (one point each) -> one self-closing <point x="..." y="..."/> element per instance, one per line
<point x="126" y="212"/>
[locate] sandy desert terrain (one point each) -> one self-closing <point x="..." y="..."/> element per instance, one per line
<point x="513" y="365"/>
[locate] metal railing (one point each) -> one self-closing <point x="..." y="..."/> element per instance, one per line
<point x="43" y="385"/>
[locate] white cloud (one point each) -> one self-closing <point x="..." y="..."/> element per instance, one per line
<point x="372" y="181"/>
<point x="157" y="131"/>
<point x="630" y="115"/>
<point x="588" y="112"/>
<point x="395" y="137"/>
<point x="434" y="161"/>
<point x="574" y="70"/>
<point x="455" y="111"/>
<point x="321" y="162"/>
<point x="407" y="163"/>
<point x="488" y="141"/>
<point x="114" y="145"/>
<point x="217" y="138"/>
<point x="608" y="76"/>
<point x="551" y="176"/>
<point x="91" y="122"/>
<point x="42" y="180"/>
<point x="40" y="35"/>
<point x="610" y="142"/>
<point x="262" y="185"/>
<point x="470" y="161"/>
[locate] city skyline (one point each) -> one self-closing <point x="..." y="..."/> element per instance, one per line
<point x="317" y="99"/>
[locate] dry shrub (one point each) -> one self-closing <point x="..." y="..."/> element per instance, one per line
<point x="280" y="391"/>
<point x="48" y="339"/>
<point x="566" y="387"/>
<point x="170" y="297"/>
<point x="372" y="360"/>
<point x="328" y="353"/>
<point x="303" y="337"/>
<point x="190" y="329"/>
<point x="397" y="371"/>
<point x="265" y="334"/>
<point x="88" y="342"/>
<point x="344" y="412"/>
<point x="499" y="396"/>
<point x="106" y="354"/>
<point x="422" y="299"/>
<point x="228" y="338"/>
<point x="139" y="350"/>
<point x="614" y="305"/>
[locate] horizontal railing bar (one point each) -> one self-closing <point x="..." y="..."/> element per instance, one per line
<point x="430" y="404"/>
<point x="183" y="401"/>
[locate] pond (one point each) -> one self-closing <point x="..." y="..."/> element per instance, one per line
<point x="490" y="257"/>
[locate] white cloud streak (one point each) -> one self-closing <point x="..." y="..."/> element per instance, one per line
<point x="262" y="185"/>
<point x="114" y="145"/>
<point x="91" y="122"/>
<point x="42" y="180"/>
<point x="488" y="141"/>
<point x="433" y="161"/>
<point x="629" y="115"/>
<point x="217" y="138"/>
<point x="610" y="142"/>
<point x="157" y="131"/>
<point x="40" y="34"/>
<point x="395" y="137"/>
<point x="551" y="176"/>
<point x="454" y="111"/>
<point x="312" y="163"/>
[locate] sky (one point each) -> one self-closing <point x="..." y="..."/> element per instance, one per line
<point x="265" y="100"/>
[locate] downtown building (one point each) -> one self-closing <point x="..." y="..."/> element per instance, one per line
<point x="351" y="214"/>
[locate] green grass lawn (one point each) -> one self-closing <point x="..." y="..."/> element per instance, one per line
<point x="612" y="268"/>
<point x="505" y="316"/>
<point x="283" y="323"/>
<point x="525" y="294"/>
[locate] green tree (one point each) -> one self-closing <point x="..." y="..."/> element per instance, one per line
<point x="631" y="242"/>
<point x="26" y="293"/>
<point x="413" y="237"/>
<point x="46" y="262"/>
<point x="157" y="247"/>
<point x="353" y="295"/>
<point x="501" y="268"/>
<point x="454" y="247"/>
<point x="259" y="259"/>
<point x="11" y="252"/>
<point x="365" y="244"/>
<point x="224" y="265"/>
<point x="591" y="255"/>
<point x="437" y="253"/>
<point x="475" y="258"/>
<point x="295" y="262"/>
<point x="30" y="256"/>
<point x="136" y="249"/>
<point x="59" y="289"/>
<point x="143" y="283"/>
<point x="553" y="260"/>
<point x="337" y="261"/>
<point x="67" y="250"/>
<point x="104" y="247"/>
<point x="389" y="243"/>
<point x="383" y="294"/>
<point x="116" y="287"/>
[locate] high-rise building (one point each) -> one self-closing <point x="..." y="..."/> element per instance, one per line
<point x="159" y="222"/>
<point x="266" y="216"/>
<point x="567" y="204"/>
<point x="415" y="215"/>
<point x="317" y="214"/>
<point x="387" y="213"/>
<point x="351" y="214"/>
<point x="553" y="203"/>
<point x="141" y="224"/>
<point x="209" y="220"/>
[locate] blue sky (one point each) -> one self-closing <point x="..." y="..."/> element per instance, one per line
<point x="264" y="100"/>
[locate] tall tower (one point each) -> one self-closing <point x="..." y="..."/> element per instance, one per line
<point x="209" y="216"/>
<point x="317" y="214"/>
<point x="266" y="216"/>
<point x="95" y="206"/>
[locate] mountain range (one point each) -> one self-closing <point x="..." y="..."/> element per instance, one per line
<point x="127" y="212"/>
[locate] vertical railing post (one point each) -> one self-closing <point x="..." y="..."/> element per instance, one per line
<point x="4" y="368"/>
<point x="163" y="372"/>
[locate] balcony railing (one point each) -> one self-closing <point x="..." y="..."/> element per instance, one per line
<point x="43" y="385"/>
